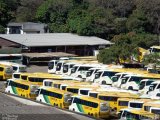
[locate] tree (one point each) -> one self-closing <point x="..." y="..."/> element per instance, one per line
<point x="6" y="12"/>
<point x="137" y="21"/>
<point x="26" y="10"/>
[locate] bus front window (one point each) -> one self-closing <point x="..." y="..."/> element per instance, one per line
<point x="115" y="78"/>
<point x="74" y="69"/>
<point x="152" y="87"/>
<point x="89" y="73"/>
<point x="50" y="65"/>
<point x="142" y="85"/>
<point x="97" y="75"/>
<point x="124" y="80"/>
<point x="65" y="68"/>
<point x="59" y="65"/>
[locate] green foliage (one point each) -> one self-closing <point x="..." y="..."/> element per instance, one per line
<point x="125" y="47"/>
<point x="152" y="59"/>
<point x="2" y="29"/>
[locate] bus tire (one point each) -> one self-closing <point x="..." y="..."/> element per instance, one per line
<point x="104" y="82"/>
<point x="130" y="88"/>
<point x="79" y="76"/>
<point x="40" y="100"/>
<point x="54" y="104"/>
<point x="73" y="109"/>
<point x="91" y="114"/>
<point x="88" y="113"/>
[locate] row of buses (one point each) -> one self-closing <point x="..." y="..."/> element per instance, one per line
<point x="84" y="86"/>
<point x="95" y="100"/>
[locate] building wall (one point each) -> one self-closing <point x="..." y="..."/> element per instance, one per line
<point x="6" y="43"/>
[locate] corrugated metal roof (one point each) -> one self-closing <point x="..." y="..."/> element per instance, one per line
<point x="54" y="39"/>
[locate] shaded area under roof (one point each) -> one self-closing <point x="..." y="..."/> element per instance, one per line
<point x="54" y="39"/>
<point x="50" y="54"/>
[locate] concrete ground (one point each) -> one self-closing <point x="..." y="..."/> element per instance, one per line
<point x="20" y="109"/>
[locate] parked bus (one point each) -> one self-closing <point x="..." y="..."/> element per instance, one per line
<point x="144" y="85"/>
<point x="22" y="88"/>
<point x="90" y="106"/>
<point x="15" y="66"/>
<point x="123" y="103"/>
<point x="52" y="66"/>
<point x="5" y="72"/>
<point x="132" y="114"/>
<point x="16" y="58"/>
<point x="112" y="97"/>
<point x="54" y="96"/>
<point x="152" y="104"/>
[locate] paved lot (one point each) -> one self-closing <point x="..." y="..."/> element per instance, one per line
<point x="35" y="68"/>
<point x="22" y="109"/>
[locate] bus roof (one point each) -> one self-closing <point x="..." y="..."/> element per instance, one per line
<point x="54" y="89"/>
<point x="153" y="103"/>
<point x="24" y="82"/>
<point x="119" y="94"/>
<point x="91" y="99"/>
<point x="143" y="113"/>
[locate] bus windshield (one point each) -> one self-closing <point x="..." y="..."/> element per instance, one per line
<point x="74" y="69"/>
<point x="115" y="78"/>
<point x="59" y="65"/>
<point x="125" y="79"/>
<point x="142" y="85"/>
<point x="97" y="75"/>
<point x="65" y="68"/>
<point x="152" y="87"/>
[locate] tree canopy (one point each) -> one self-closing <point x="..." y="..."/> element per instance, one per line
<point x="127" y="23"/>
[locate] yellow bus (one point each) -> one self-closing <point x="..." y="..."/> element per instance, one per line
<point x="123" y="103"/>
<point x="133" y="114"/>
<point x="22" y="88"/>
<point x="38" y="78"/>
<point x="112" y="97"/>
<point x="80" y="89"/>
<point x="147" y="106"/>
<point x="90" y="106"/>
<point x="54" y="96"/>
<point x="5" y="72"/>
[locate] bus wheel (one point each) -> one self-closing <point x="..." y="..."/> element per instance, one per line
<point x="130" y="88"/>
<point x="79" y="76"/>
<point x="54" y="104"/>
<point x="88" y="113"/>
<point x="104" y="83"/>
<point x="73" y="109"/>
<point x="91" y="114"/>
<point x="40" y="100"/>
